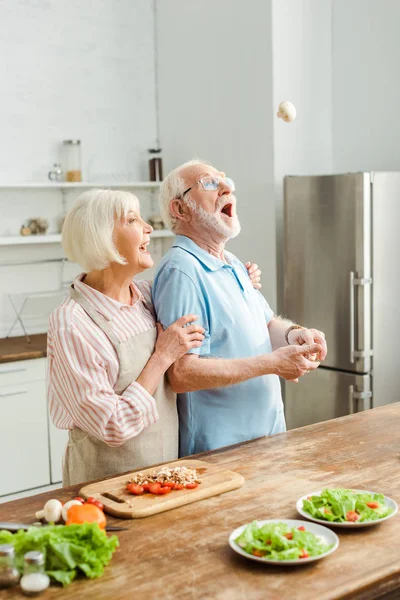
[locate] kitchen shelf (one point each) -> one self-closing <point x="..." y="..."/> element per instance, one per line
<point x="63" y="185"/>
<point x="55" y="238"/>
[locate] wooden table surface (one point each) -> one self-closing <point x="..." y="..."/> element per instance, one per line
<point x="184" y="553"/>
<point x="18" y="348"/>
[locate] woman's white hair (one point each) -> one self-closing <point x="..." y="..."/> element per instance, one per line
<point x="172" y="187"/>
<point x="87" y="233"/>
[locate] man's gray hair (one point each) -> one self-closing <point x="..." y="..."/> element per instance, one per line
<point x="172" y="187"/>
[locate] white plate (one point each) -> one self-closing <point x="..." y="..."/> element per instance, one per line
<point x="328" y="536"/>
<point x="388" y="501"/>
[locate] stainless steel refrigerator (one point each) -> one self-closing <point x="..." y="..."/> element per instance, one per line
<point x="342" y="276"/>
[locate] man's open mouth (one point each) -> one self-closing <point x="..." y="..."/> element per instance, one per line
<point x="227" y="209"/>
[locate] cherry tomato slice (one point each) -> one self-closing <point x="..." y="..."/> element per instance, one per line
<point x="164" y="489"/>
<point x="301" y="528"/>
<point x="258" y="553"/>
<point x="178" y="486"/>
<point x="289" y="535"/>
<point x="135" y="489"/>
<point x="191" y="486"/>
<point x="80" y="499"/>
<point x="352" y="516"/>
<point x="146" y="486"/>
<point x="169" y="484"/>
<point x="373" y="504"/>
<point x="154" y="488"/>
<point x="304" y="554"/>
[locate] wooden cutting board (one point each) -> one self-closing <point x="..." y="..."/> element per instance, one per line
<point x="120" y="503"/>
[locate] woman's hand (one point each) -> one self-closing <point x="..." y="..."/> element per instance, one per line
<point x="177" y="339"/>
<point x="254" y="274"/>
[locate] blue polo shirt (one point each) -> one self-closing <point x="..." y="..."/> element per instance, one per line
<point x="235" y="317"/>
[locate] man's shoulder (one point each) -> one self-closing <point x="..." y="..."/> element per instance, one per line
<point x="179" y="260"/>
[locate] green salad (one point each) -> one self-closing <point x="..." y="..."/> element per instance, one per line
<point x="347" y="506"/>
<point x="68" y="550"/>
<point x="278" y="541"/>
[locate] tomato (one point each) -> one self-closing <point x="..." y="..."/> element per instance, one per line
<point x="301" y="528"/>
<point x="135" y="489"/>
<point x="289" y="535"/>
<point x="352" y="516"/>
<point x="268" y="542"/>
<point x="86" y="513"/>
<point x="169" y="484"/>
<point x="164" y="489"/>
<point x="80" y="499"/>
<point x="94" y="501"/>
<point x="191" y="486"/>
<point x="178" y="486"/>
<point x="146" y="486"/>
<point x="258" y="553"/>
<point x="373" y="504"/>
<point x="154" y="488"/>
<point x="304" y="554"/>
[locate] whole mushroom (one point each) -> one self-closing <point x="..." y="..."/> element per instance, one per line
<point x="51" y="512"/>
<point x="286" y="111"/>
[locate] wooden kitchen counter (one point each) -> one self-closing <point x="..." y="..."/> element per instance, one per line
<point x="17" y="348"/>
<point x="184" y="553"/>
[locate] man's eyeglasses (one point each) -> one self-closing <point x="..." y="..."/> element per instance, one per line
<point x="210" y="184"/>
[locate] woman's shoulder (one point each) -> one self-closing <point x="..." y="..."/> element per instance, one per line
<point x="67" y="316"/>
<point x="144" y="286"/>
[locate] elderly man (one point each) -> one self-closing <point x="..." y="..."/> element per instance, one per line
<point x="234" y="389"/>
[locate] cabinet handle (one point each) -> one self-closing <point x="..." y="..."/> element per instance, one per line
<point x="18" y="370"/>
<point x="7" y="394"/>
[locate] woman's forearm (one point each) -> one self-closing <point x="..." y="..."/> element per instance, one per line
<point x="153" y="372"/>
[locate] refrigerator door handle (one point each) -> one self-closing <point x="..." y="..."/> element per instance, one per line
<point x="358" y="396"/>
<point x="353" y="283"/>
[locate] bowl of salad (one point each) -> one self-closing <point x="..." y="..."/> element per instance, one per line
<point x="343" y="507"/>
<point x="283" y="541"/>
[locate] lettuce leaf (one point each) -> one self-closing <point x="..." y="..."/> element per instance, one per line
<point x="68" y="550"/>
<point x="334" y="504"/>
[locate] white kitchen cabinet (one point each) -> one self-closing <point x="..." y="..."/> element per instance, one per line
<point x="58" y="439"/>
<point x="24" y="445"/>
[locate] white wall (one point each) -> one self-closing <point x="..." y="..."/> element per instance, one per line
<point x="69" y="70"/>
<point x="366" y="85"/>
<point x="302" y="73"/>
<point x="76" y="70"/>
<point x="215" y="98"/>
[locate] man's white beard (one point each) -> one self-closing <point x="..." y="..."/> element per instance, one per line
<point x="213" y="222"/>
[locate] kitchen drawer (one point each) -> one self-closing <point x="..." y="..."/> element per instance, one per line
<point x="22" y="371"/>
<point x="24" y="444"/>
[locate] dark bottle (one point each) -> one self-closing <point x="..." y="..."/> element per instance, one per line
<point x="155" y="165"/>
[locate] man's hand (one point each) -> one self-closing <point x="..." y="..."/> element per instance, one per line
<point x="254" y="274"/>
<point x="300" y="337"/>
<point x="292" y="362"/>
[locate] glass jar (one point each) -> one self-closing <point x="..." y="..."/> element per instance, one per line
<point x="34" y="580"/>
<point x="9" y="575"/>
<point x="72" y="160"/>
<point x="155" y="165"/>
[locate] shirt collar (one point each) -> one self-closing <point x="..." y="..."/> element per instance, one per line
<point x="212" y="263"/>
<point x="106" y="306"/>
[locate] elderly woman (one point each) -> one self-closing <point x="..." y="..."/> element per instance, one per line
<point x="106" y="358"/>
<point x="106" y="363"/>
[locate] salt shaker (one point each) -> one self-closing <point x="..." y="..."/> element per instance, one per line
<point x="9" y="575"/>
<point x="34" y="580"/>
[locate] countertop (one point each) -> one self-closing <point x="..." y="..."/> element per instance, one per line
<point x="184" y="553"/>
<point x="17" y="348"/>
